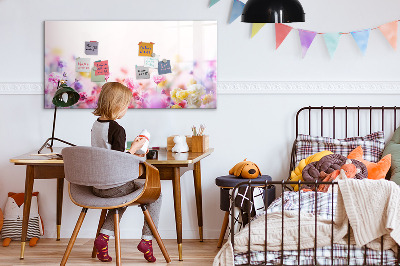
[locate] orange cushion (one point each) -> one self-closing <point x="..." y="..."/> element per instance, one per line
<point x="375" y="170"/>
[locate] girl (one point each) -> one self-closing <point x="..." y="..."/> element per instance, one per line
<point x="106" y="133"/>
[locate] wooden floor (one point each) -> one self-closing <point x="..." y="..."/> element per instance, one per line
<point x="50" y="252"/>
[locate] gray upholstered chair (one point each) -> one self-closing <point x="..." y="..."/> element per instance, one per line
<point x="85" y="167"/>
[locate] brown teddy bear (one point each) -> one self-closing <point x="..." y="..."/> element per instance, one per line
<point x="245" y="169"/>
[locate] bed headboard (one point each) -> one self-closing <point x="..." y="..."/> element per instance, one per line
<point x="375" y="114"/>
<point x="344" y="121"/>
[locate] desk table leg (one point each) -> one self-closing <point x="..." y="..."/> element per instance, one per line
<point x="60" y="190"/>
<point x="197" y="189"/>
<point x="178" y="208"/>
<point x="27" y="206"/>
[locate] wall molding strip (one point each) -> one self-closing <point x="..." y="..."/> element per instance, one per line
<point x="21" y="88"/>
<point x="260" y="87"/>
<point x="309" y="87"/>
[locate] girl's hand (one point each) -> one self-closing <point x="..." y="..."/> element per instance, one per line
<point x="137" y="144"/>
<point x="143" y="155"/>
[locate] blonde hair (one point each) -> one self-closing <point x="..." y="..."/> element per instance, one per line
<point x="113" y="98"/>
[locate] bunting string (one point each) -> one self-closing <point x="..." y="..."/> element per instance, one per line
<point x="343" y="33"/>
<point x="361" y="37"/>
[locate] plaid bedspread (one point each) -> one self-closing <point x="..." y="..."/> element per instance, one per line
<point x="322" y="206"/>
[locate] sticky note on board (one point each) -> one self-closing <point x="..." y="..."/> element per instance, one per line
<point x="164" y="67"/>
<point x="92" y="48"/>
<point x="142" y="72"/>
<point x="146" y="48"/>
<point x="82" y="64"/>
<point x="101" y="67"/>
<point x="98" y="78"/>
<point x="151" y="62"/>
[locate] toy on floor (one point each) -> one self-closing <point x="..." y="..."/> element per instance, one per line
<point x="245" y="169"/>
<point x="13" y="215"/>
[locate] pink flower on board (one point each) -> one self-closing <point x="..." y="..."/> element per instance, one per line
<point x="54" y="77"/>
<point x="83" y="96"/>
<point x="183" y="104"/>
<point x="158" y="79"/>
<point x="91" y="100"/>
<point x="139" y="104"/>
<point x="131" y="84"/>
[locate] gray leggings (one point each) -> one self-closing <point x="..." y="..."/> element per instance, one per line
<point x="154" y="208"/>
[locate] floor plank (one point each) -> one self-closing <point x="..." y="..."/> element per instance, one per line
<point x="49" y="252"/>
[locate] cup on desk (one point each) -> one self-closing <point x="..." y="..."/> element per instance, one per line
<point x="152" y="155"/>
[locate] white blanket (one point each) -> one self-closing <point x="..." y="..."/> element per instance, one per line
<point x="373" y="209"/>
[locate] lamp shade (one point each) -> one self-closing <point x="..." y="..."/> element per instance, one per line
<point x="65" y="96"/>
<point x="273" y="11"/>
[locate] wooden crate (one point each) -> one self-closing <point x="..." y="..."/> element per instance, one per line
<point x="171" y="143"/>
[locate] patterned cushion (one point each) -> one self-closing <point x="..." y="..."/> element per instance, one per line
<point x="372" y="144"/>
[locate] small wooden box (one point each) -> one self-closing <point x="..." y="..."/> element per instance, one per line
<point x="200" y="143"/>
<point x="171" y="143"/>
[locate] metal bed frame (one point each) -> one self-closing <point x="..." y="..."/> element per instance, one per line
<point x="284" y="183"/>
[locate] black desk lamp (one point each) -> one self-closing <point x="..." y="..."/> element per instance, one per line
<point x="273" y="11"/>
<point x="64" y="97"/>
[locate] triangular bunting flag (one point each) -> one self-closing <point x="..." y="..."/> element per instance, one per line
<point x="361" y="37"/>
<point x="213" y="2"/>
<point x="332" y="41"/>
<point x="237" y="8"/>
<point x="306" y="39"/>
<point x="389" y="30"/>
<point x="256" y="27"/>
<point x="281" y="31"/>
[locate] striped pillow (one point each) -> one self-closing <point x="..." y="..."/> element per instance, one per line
<point x="372" y="145"/>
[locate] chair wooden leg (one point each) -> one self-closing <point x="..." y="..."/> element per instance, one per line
<point x="101" y="222"/>
<point x="73" y="237"/>
<point x="223" y="229"/>
<point x="117" y="239"/>
<point x="154" y="230"/>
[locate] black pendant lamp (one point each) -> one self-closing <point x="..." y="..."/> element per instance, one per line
<point x="273" y="11"/>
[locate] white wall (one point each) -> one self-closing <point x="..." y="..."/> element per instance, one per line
<point x="259" y="127"/>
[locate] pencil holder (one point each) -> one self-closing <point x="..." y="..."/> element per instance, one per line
<point x="200" y="143"/>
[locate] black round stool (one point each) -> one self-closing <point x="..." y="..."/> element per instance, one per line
<point x="228" y="182"/>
